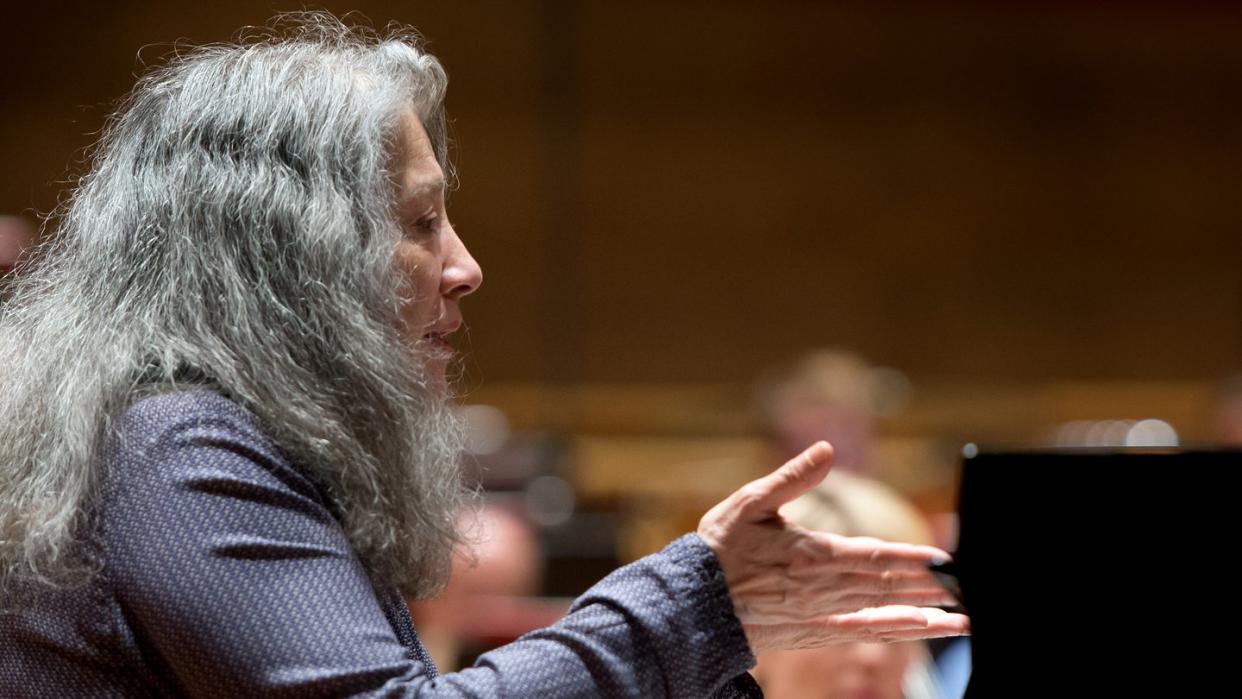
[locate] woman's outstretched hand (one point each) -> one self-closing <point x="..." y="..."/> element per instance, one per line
<point x="796" y="588"/>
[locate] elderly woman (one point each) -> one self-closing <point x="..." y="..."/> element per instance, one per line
<point x="225" y="431"/>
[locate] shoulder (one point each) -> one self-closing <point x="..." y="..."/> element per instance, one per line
<point x="194" y="440"/>
<point x="155" y="417"/>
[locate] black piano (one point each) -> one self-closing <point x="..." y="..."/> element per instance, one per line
<point x="1102" y="573"/>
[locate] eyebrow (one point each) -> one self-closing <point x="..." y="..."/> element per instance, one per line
<point x="426" y="187"/>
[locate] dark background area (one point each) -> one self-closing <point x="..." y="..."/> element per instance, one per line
<point x="689" y="191"/>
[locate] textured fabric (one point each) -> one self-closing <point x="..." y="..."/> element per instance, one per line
<point x="225" y="574"/>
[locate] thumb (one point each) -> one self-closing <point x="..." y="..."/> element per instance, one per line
<point x="796" y="477"/>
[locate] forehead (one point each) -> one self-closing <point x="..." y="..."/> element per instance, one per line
<point x="415" y="165"/>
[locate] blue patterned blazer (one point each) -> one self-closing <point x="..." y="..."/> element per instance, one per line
<point x="224" y="574"/>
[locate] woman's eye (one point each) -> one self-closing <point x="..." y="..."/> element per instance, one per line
<point x="428" y="225"/>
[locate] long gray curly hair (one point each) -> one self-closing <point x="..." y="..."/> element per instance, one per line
<point x="236" y="229"/>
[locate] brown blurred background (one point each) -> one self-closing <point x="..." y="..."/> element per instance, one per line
<point x="1029" y="209"/>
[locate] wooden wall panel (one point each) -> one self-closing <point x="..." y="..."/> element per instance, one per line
<point x="688" y="191"/>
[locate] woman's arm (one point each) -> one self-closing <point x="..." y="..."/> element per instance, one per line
<point x="236" y="580"/>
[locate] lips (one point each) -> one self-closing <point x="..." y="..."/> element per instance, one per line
<point x="438" y="343"/>
<point x="437" y="340"/>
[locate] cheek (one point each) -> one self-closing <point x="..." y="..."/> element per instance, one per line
<point x="422" y="281"/>
<point x="903" y="655"/>
<point x="420" y="266"/>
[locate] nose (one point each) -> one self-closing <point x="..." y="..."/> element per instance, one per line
<point x="462" y="274"/>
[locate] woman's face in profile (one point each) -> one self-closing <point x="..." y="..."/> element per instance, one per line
<point x="845" y="671"/>
<point x="438" y="269"/>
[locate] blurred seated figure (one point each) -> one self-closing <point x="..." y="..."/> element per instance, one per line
<point x="1227" y="414"/>
<point x="491" y="595"/>
<point x="834" y="395"/>
<point x="853" y="506"/>
<point x="17" y="236"/>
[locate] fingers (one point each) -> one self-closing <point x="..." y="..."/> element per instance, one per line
<point x="864" y="554"/>
<point x="873" y="589"/>
<point x="796" y="477"/>
<point x="897" y="623"/>
<point x="917" y="597"/>
<point x="881" y="624"/>
<point x="778" y="606"/>
<point x="884" y="583"/>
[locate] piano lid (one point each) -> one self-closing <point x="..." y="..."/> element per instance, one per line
<point x="1089" y="572"/>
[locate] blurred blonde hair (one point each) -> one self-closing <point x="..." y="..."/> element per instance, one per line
<point x="855" y="506"/>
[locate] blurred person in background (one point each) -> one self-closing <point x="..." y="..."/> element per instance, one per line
<point x="834" y="395"/>
<point x="491" y="595"/>
<point x="1226" y="419"/>
<point x="837" y="395"/>
<point x="17" y="236"/>
<point x="227" y="446"/>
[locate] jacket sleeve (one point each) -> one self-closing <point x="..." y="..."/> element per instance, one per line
<point x="236" y="580"/>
